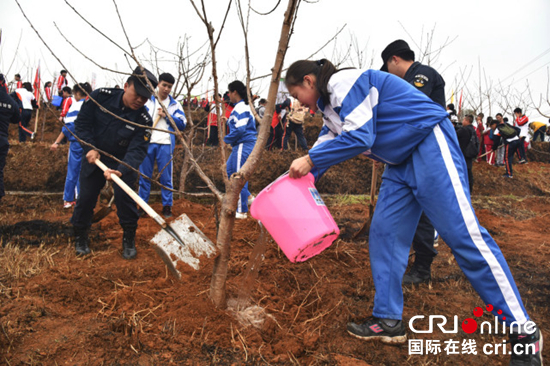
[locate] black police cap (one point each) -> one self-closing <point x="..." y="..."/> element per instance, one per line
<point x="396" y="48"/>
<point x="140" y="83"/>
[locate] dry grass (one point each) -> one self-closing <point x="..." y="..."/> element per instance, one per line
<point x="26" y="262"/>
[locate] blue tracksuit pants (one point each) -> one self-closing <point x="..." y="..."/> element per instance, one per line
<point x="236" y="160"/>
<point x="434" y="179"/>
<point x="162" y="154"/>
<point x="72" y="182"/>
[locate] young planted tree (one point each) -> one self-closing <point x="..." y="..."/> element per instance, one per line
<point x="235" y="183"/>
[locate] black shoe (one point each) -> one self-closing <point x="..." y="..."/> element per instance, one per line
<point x="530" y="351"/>
<point x="417" y="275"/>
<point x="128" y="242"/>
<point x="81" y="241"/>
<point x="141" y="212"/>
<point x="167" y="211"/>
<point x="375" y="328"/>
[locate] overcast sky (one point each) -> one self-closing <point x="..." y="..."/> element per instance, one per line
<point x="502" y="43"/>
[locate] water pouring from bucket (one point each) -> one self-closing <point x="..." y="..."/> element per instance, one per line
<point x="295" y="215"/>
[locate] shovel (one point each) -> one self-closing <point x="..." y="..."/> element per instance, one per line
<point x="168" y="244"/>
<point x="103" y="211"/>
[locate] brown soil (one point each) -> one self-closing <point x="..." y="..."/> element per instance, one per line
<point x="103" y="310"/>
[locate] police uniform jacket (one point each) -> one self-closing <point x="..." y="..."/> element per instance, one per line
<point x="428" y="81"/>
<point x="124" y="141"/>
<point x="9" y="112"/>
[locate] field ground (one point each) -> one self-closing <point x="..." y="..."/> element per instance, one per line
<point x="102" y="310"/>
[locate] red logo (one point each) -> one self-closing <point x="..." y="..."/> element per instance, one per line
<point x="469" y="325"/>
<point x="376" y="328"/>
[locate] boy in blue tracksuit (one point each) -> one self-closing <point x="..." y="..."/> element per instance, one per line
<point x="72" y="182"/>
<point x="241" y="137"/>
<point x="387" y="119"/>
<point x="162" y="144"/>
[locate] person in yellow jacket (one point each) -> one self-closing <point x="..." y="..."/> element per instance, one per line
<point x="539" y="129"/>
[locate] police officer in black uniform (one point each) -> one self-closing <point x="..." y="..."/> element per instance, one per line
<point x="9" y="113"/>
<point x="399" y="60"/>
<point x="124" y="141"/>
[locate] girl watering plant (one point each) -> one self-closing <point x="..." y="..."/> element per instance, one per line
<point x="387" y="119"/>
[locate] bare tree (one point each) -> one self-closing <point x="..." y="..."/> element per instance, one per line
<point x="429" y="53"/>
<point x="235" y="183"/>
<point x="542" y="101"/>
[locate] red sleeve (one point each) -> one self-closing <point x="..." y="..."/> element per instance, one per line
<point x="228" y="110"/>
<point x="275" y="119"/>
<point x="66" y="105"/>
<point x="60" y="82"/>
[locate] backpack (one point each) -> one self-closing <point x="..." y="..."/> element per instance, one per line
<point x="507" y="131"/>
<point x="472" y="150"/>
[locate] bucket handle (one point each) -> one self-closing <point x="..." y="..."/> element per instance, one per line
<point x="268" y="188"/>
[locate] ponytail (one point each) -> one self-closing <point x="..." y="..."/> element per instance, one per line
<point x="322" y="69"/>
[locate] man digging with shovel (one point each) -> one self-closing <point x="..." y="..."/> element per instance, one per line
<point x="122" y="140"/>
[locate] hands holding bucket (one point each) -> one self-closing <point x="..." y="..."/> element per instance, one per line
<point x="300" y="167"/>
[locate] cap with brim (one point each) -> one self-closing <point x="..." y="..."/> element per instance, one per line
<point x="396" y="48"/>
<point x="140" y="82"/>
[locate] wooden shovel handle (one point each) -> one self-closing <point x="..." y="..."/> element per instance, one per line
<point x="156" y="121"/>
<point x="133" y="195"/>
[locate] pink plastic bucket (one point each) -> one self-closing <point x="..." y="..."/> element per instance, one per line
<point x="294" y="214"/>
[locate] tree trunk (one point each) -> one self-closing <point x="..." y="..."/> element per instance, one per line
<point x="238" y="180"/>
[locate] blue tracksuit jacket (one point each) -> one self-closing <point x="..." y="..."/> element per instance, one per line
<point x="242" y="137"/>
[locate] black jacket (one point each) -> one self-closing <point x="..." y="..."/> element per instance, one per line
<point x="464" y="134"/>
<point x="124" y="141"/>
<point x="9" y="112"/>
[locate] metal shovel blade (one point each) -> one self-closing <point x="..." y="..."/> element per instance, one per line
<point x="103" y="211"/>
<point x="182" y="241"/>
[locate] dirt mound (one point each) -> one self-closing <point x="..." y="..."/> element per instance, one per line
<point x="33" y="167"/>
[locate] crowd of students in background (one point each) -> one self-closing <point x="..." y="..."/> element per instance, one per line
<point x="500" y="140"/>
<point x="288" y="118"/>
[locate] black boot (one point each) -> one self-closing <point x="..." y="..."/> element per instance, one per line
<point x="420" y="272"/>
<point x="128" y="242"/>
<point x="81" y="241"/>
<point x="417" y="275"/>
<point x="167" y="211"/>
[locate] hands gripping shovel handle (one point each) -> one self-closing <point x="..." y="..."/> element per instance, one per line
<point x="148" y="209"/>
